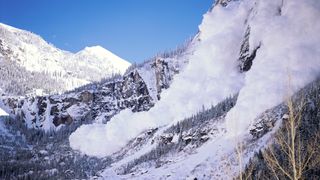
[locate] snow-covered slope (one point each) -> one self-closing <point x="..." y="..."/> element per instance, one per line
<point x="197" y="147"/>
<point x="137" y="90"/>
<point x="31" y="52"/>
<point x="263" y="50"/>
<point x="248" y="57"/>
<point x="3" y="113"/>
<point x="98" y="55"/>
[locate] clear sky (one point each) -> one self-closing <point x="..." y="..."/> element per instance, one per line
<point x="133" y="29"/>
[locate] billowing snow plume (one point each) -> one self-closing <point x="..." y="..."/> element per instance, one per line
<point x="210" y="76"/>
<point x="287" y="34"/>
<point x="289" y="57"/>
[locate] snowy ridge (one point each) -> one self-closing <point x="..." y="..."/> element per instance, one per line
<point x="34" y="54"/>
<point x="98" y="55"/>
<point x="284" y="62"/>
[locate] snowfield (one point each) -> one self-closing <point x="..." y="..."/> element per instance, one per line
<point x="285" y="34"/>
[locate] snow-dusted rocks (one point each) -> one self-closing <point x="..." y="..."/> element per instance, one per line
<point x="137" y="91"/>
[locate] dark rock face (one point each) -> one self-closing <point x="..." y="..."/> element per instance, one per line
<point x="246" y="58"/>
<point x="223" y="2"/>
<point x="267" y="120"/>
<point x="86" y="97"/>
<point x="101" y="102"/>
<point x="130" y="92"/>
<point x="64" y="119"/>
<point x="42" y="104"/>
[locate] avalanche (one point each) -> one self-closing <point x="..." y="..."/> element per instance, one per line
<point x="288" y="57"/>
<point x="214" y="77"/>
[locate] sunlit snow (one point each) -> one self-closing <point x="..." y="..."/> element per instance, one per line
<point x="3" y="113"/>
<point x="286" y="33"/>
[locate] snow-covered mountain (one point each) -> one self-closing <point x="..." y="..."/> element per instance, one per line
<point x="28" y="53"/>
<point x="207" y="112"/>
<point x="264" y="51"/>
<point x="138" y="90"/>
<point x="98" y="55"/>
<point x="59" y="115"/>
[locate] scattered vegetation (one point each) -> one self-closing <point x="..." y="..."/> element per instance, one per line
<point x="178" y="51"/>
<point x="16" y="80"/>
<point x="295" y="152"/>
<point x="190" y="127"/>
<point x="98" y="84"/>
<point x="33" y="154"/>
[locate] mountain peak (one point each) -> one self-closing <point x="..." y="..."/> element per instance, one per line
<point x="67" y="70"/>
<point x="95" y="48"/>
<point x="98" y="52"/>
<point x="8" y="27"/>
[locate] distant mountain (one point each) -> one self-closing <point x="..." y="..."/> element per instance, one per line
<point x="28" y="63"/>
<point x="98" y="55"/>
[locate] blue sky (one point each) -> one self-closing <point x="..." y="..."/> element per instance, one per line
<point x="133" y="29"/>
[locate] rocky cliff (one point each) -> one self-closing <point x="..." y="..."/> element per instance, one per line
<point x="137" y="90"/>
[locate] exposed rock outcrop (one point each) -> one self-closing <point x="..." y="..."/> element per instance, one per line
<point x="98" y="103"/>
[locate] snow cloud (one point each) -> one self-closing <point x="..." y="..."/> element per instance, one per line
<point x="210" y="76"/>
<point x="288" y="59"/>
<point x="288" y="34"/>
